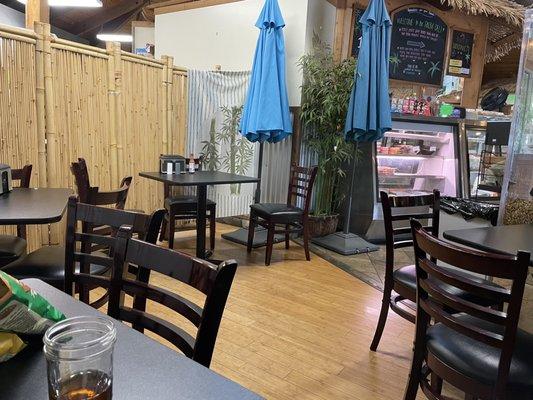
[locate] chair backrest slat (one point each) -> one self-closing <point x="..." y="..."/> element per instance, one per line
<point x="301" y="182"/>
<point x="79" y="248"/>
<point x="23" y="175"/>
<point x="174" y="301"/>
<point x="214" y="281"/>
<point x="177" y="336"/>
<point x="437" y="298"/>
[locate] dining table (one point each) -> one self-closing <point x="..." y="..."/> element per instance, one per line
<point x="33" y="206"/>
<point x="201" y="180"/>
<point x="142" y="367"/>
<point x="502" y="239"/>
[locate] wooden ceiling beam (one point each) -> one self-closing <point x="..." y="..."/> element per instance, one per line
<point x="167" y="3"/>
<point x="189" y="5"/>
<point x="107" y="14"/>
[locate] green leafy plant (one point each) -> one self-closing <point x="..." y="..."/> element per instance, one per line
<point x="210" y="154"/>
<point x="325" y="95"/>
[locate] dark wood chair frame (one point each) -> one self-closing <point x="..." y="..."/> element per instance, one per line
<point x="391" y="243"/>
<point x="434" y="304"/>
<point x="24" y="176"/>
<point x="301" y="182"/>
<point x="80" y="246"/>
<point x="185" y="211"/>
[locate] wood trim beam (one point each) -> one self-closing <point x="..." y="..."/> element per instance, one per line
<point x="191" y="6"/>
<point x="167" y="3"/>
<point x="37" y="11"/>
<point x="108" y="14"/>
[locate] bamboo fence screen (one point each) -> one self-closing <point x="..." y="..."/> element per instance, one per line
<point x="61" y="100"/>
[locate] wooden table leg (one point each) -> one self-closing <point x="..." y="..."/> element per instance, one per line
<point x="200" y="222"/>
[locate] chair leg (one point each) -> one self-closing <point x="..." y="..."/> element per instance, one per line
<point x="163" y="235"/>
<point x="385" y="302"/>
<point x="251" y="231"/>
<point x="436" y="383"/>
<point x="21" y="231"/>
<point x="306" y="242"/>
<point x="270" y="243"/>
<point x="415" y="375"/>
<point x="212" y="229"/>
<point x="287" y="236"/>
<point x="171" y="230"/>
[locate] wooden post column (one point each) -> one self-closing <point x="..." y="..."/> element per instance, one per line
<point x="37" y="11"/>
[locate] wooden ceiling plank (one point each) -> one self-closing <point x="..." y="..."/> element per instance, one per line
<point x="191" y="5"/>
<point x="167" y="3"/>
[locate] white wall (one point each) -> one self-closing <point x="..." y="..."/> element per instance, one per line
<point x="321" y="20"/>
<point x="9" y="16"/>
<point x="226" y="35"/>
<point x="143" y="35"/>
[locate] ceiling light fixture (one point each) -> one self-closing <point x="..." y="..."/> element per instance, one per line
<point x="71" y="3"/>
<point x="115" y="37"/>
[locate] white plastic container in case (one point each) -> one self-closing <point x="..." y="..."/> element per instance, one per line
<point x="5" y="177"/>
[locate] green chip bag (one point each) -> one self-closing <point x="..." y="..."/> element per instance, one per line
<point x="23" y="311"/>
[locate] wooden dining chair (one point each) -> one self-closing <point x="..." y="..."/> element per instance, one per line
<point x="48" y="263"/>
<point x="211" y="281"/>
<point x="399" y="291"/>
<point x="475" y="348"/>
<point x="14" y="247"/>
<point x="183" y="207"/>
<point x="79" y="254"/>
<point x="286" y="218"/>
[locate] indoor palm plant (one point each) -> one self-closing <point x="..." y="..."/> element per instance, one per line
<point x="325" y="95"/>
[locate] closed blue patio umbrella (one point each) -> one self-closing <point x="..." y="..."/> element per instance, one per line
<point x="266" y="114"/>
<point x="369" y="115"/>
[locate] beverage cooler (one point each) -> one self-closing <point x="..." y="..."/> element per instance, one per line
<point x="460" y="158"/>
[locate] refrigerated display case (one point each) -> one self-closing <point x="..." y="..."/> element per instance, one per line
<point x="516" y="205"/>
<point x="486" y="146"/>
<point x="412" y="160"/>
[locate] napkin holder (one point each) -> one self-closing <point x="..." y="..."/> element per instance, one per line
<point x="172" y="164"/>
<point x="6" y="185"/>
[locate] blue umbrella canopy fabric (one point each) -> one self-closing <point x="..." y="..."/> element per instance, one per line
<point x="369" y="114"/>
<point x="266" y="115"/>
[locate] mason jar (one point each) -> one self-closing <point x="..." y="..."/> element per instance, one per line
<point x="79" y="356"/>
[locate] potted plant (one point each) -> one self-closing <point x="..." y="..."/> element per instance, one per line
<point x="325" y="95"/>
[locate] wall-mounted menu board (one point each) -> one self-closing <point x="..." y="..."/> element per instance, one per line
<point x="418" y="45"/>
<point x="462" y="44"/>
<point x="357" y="32"/>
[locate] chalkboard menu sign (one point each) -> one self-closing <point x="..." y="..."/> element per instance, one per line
<point x="461" y="47"/>
<point x="357" y="31"/>
<point x="418" y="45"/>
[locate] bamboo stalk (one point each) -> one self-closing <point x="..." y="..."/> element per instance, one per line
<point x="18" y="31"/>
<point x="169" y="109"/>
<point x="113" y="150"/>
<point x="118" y="104"/>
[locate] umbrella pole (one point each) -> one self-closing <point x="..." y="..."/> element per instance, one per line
<point x="259" y="173"/>
<point x="345" y="242"/>
<point x="348" y="214"/>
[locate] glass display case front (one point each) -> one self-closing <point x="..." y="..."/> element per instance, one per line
<point x="517" y="195"/>
<point x="415" y="161"/>
<point x="487" y="154"/>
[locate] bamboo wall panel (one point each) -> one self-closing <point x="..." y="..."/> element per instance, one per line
<point x="18" y="114"/>
<point x="60" y="100"/>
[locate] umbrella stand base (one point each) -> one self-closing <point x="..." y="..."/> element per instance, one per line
<point x="240" y="236"/>
<point x="345" y="243"/>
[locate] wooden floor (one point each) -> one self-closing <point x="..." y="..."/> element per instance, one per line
<point x="301" y="330"/>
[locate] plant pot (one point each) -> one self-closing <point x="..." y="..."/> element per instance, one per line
<point x="322" y="225"/>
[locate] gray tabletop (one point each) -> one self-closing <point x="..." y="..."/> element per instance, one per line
<point x="504" y="239"/>
<point x="33" y="206"/>
<point x="143" y="369"/>
<point x="199" y="178"/>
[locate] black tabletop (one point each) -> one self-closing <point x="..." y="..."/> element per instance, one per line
<point x="33" y="206"/>
<point x="199" y="178"/>
<point x="142" y="368"/>
<point x="504" y="239"/>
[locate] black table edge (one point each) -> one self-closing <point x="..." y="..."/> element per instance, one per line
<point x="249" y="179"/>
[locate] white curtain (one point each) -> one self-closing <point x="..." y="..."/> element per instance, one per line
<point x="215" y="106"/>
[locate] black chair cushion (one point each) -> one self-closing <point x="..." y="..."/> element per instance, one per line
<point x="407" y="277"/>
<point x="185" y="200"/>
<point x="11" y="248"/>
<point x="479" y="361"/>
<point x="47" y="264"/>
<point x="277" y="212"/>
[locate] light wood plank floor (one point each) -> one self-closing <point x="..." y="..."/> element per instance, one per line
<point x="301" y="330"/>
